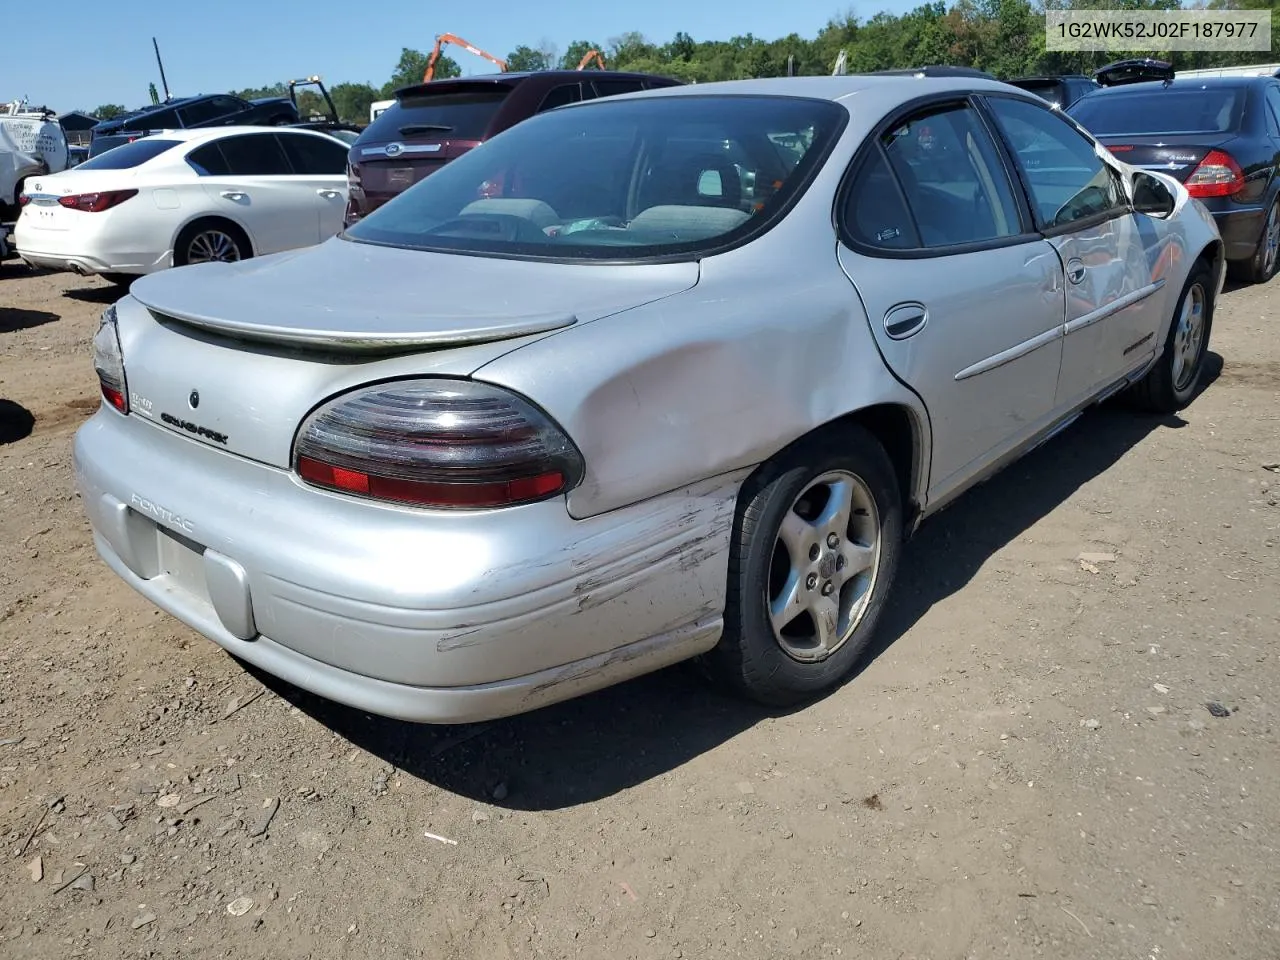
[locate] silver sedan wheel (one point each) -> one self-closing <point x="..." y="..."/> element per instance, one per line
<point x="212" y="245"/>
<point x="1188" y="337"/>
<point x="824" y="566"/>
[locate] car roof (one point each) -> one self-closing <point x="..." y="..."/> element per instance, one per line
<point x="513" y="77"/>
<point x="201" y="134"/>
<point x="1157" y="86"/>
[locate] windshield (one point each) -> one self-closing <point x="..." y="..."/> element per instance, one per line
<point x="626" y="178"/>
<point x="459" y="116"/>
<point x="128" y="155"/>
<point x="1160" y="111"/>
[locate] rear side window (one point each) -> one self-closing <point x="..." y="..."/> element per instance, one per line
<point x="561" y="95"/>
<point x="313" y="156"/>
<point x="460" y="116"/>
<point x="611" y="88"/>
<point x="1161" y="110"/>
<point x="129" y="155"/>
<point x="248" y="155"/>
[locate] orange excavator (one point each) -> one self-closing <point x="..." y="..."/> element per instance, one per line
<point x="446" y="38"/>
<point x="587" y="58"/>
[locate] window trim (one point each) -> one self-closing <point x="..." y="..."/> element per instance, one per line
<point x="871" y="143"/>
<point x="1049" y="231"/>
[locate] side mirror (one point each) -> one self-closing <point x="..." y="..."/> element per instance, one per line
<point x="1152" y="196"/>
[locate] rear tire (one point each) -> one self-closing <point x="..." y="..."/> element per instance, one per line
<point x="822" y="526"/>
<point x="210" y="240"/>
<point x="1171" y="384"/>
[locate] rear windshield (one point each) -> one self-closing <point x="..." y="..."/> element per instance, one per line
<point x="128" y="155"/>
<point x="653" y="176"/>
<point x="1160" y="111"/>
<point x="461" y="116"/>
<point x="1045" y="89"/>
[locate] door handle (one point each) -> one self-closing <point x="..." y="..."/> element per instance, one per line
<point x="905" y="320"/>
<point x="1075" y="270"/>
<point x="234" y="194"/>
<point x="328" y="192"/>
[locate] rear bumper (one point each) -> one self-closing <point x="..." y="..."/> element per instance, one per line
<point x="400" y="612"/>
<point x="75" y="251"/>
<point x="1240" y="228"/>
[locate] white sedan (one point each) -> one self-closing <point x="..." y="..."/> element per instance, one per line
<point x="186" y="196"/>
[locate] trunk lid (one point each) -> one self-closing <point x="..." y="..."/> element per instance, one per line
<point x="257" y="344"/>
<point x="1175" y="155"/>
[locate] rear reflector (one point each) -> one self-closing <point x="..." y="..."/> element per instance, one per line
<point x="1217" y="175"/>
<point x="96" y="202"/>
<point x="436" y="443"/>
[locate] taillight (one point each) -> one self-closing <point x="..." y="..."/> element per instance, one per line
<point x="1217" y="175"/>
<point x="96" y="202"/>
<point x="1117" y="148"/>
<point x="437" y="443"/>
<point x="23" y="200"/>
<point x="108" y="361"/>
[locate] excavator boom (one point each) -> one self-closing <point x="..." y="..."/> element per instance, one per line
<point x="588" y="57"/>
<point x="447" y="38"/>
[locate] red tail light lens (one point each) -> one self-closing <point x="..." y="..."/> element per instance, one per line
<point x="108" y="361"/>
<point x="1217" y="175"/>
<point x="97" y="202"/>
<point x="437" y="443"/>
<point x="23" y="200"/>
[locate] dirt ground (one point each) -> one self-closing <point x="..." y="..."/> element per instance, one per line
<point x="1027" y="768"/>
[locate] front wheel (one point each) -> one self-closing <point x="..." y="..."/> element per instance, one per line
<point x="1171" y="384"/>
<point x="815" y="550"/>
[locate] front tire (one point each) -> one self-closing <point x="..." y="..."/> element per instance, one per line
<point x="1171" y="384"/>
<point x="815" y="549"/>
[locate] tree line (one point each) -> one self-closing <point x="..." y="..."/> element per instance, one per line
<point x="1002" y="37"/>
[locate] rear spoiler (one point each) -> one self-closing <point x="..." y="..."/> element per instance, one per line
<point x="443" y="87"/>
<point x="1139" y="70"/>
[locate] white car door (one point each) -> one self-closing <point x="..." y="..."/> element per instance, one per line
<point x="320" y="162"/>
<point x="248" y="178"/>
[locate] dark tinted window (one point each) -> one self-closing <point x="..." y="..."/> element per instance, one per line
<point x="616" y="178"/>
<point x="1273" y="109"/>
<point x="610" y="88"/>
<point x="952" y="177"/>
<point x="463" y="116"/>
<point x="559" y="96"/>
<point x="208" y="161"/>
<point x="1067" y="180"/>
<point x="1164" y="110"/>
<point x="202" y="111"/>
<point x="875" y="212"/>
<point x="255" y="155"/>
<point x="1050" y="90"/>
<point x="160" y="120"/>
<point x="128" y="155"/>
<point x="314" y="155"/>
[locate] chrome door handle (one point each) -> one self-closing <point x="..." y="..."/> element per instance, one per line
<point x="328" y="192"/>
<point x="1075" y="270"/>
<point x="234" y="194"/>
<point x="905" y="320"/>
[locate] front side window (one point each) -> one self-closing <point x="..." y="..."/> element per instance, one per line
<point x="1066" y="178"/>
<point x="247" y="155"/>
<point x="655" y="176"/>
<point x="946" y="167"/>
<point x="202" y="111"/>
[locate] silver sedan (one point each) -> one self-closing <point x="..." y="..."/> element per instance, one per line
<point x="662" y="376"/>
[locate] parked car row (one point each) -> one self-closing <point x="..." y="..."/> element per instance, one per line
<point x="639" y="379"/>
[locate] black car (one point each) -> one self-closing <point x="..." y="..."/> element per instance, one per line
<point x="1219" y="136"/>
<point x="206" y="110"/>
<point x="1063" y="90"/>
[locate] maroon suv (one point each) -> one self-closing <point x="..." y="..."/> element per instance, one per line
<point x="433" y="123"/>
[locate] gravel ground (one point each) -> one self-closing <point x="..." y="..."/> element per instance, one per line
<point x="1028" y="767"/>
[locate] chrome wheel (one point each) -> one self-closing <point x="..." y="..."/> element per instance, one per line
<point x="212" y="245"/>
<point x="824" y="566"/>
<point x="1188" y="337"/>
<point x="1271" y="242"/>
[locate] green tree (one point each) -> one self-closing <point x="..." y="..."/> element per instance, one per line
<point x="524" y="58"/>
<point x="352" y="101"/>
<point x="412" y="66"/>
<point x="108" y="111"/>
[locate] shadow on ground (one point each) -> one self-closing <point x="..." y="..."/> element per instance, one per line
<point x="13" y="319"/>
<point x="105" y="294"/>
<point x="596" y="746"/>
<point x="16" y="422"/>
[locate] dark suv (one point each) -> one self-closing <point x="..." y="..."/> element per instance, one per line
<point x="433" y="123"/>
<point x="206" y="110"/>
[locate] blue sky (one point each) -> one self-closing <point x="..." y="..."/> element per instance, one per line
<point x="96" y="57"/>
